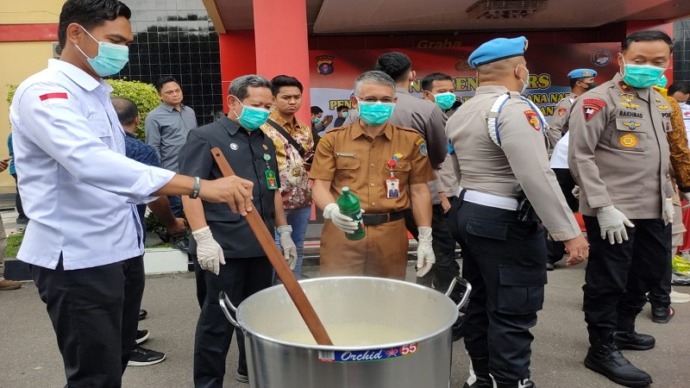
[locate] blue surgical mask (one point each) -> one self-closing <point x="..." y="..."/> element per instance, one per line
<point x="663" y="82"/>
<point x="345" y="114"/>
<point x="375" y="113"/>
<point x="111" y="58"/>
<point x="525" y="84"/>
<point x="251" y="117"/>
<point x="445" y="100"/>
<point x="641" y="76"/>
<point x="316" y="120"/>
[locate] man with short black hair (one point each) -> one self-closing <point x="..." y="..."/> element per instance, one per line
<point x="166" y="129"/>
<point x="619" y="155"/>
<point x="342" y="111"/>
<point x="83" y="242"/>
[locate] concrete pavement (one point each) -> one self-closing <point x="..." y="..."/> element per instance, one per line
<point x="30" y="358"/>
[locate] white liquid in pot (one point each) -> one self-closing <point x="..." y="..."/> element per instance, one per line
<point x="351" y="334"/>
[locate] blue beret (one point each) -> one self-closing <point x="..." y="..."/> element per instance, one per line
<point x="497" y="50"/>
<point x="582" y="73"/>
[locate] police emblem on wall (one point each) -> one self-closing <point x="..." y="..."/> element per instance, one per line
<point x="601" y="57"/>
<point x="325" y="64"/>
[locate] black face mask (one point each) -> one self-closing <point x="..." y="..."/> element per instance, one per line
<point x="591" y="85"/>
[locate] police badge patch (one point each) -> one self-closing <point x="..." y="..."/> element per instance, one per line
<point x="592" y="106"/>
<point x="533" y="119"/>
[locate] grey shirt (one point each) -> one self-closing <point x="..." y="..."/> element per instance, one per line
<point x="167" y="130"/>
<point x="519" y="164"/>
<point x="618" y="152"/>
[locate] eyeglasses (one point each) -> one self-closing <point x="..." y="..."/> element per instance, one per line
<point x="385" y="100"/>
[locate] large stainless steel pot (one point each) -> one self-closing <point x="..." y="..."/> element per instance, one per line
<point x="421" y="359"/>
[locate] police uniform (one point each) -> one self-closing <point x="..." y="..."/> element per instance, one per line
<point x="247" y="269"/>
<point x="558" y="126"/>
<point x="346" y="156"/>
<point x="619" y="155"/>
<point x="502" y="157"/>
<point x="80" y="191"/>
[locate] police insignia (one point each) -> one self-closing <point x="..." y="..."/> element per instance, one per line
<point x="533" y="119"/>
<point x="592" y="106"/>
<point x="422" y="148"/>
<point x="265" y="147"/>
<point x="561" y="111"/>
<point x="628" y="141"/>
<point x="624" y="87"/>
<point x="631" y="124"/>
<point x="325" y="64"/>
<point x="664" y="107"/>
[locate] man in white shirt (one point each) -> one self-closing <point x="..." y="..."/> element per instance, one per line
<point x="84" y="241"/>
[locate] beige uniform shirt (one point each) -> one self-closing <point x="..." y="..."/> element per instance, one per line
<point x="618" y="153"/>
<point x="558" y="125"/>
<point x="520" y="163"/>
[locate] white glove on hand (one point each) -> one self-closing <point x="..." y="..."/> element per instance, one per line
<point x="341" y="221"/>
<point x="612" y="224"/>
<point x="668" y="210"/>
<point x="209" y="253"/>
<point x="576" y="191"/>
<point x="425" y="254"/>
<point x="686" y="196"/>
<point x="289" y="247"/>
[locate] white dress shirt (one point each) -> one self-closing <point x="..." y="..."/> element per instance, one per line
<point x="78" y="188"/>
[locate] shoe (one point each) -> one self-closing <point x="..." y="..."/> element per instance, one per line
<point x="7" y="285"/>
<point x="144" y="357"/>
<point x="607" y="360"/>
<point x="662" y="314"/>
<point x="142" y="314"/>
<point x="679" y="297"/>
<point x="242" y="376"/>
<point x="479" y="374"/>
<point x="22" y="220"/>
<point x="182" y="244"/>
<point x="549" y="266"/>
<point x="633" y="340"/>
<point x="142" y="336"/>
<point x="524" y="383"/>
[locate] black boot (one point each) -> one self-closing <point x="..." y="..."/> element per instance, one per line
<point x="633" y="340"/>
<point x="608" y="360"/>
<point x="524" y="383"/>
<point x="479" y="374"/>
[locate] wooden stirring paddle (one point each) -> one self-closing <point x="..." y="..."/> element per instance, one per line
<point x="299" y="298"/>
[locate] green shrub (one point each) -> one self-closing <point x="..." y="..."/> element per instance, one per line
<point x="142" y="94"/>
<point x="10" y="93"/>
<point x="13" y="242"/>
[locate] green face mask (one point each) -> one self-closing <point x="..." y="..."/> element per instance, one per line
<point x="445" y="100"/>
<point x="641" y="76"/>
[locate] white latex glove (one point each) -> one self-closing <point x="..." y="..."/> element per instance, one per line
<point x="289" y="247"/>
<point x="612" y="224"/>
<point x="209" y="253"/>
<point x="576" y="191"/>
<point x="425" y="254"/>
<point x="668" y="210"/>
<point x="341" y="221"/>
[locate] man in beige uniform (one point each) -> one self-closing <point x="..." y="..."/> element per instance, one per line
<point x="619" y="155"/>
<point x="581" y="80"/>
<point x="498" y="139"/>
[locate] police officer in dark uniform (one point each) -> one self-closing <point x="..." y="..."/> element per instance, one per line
<point x="498" y="138"/>
<point x="223" y="241"/>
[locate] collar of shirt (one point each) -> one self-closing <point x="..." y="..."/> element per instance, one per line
<point x="233" y="128"/>
<point x="77" y="75"/>
<point x="170" y="108"/>
<point x="295" y="124"/>
<point x="491" y="89"/>
<point x="402" y="90"/>
<point x="358" y="131"/>
<point x="127" y="134"/>
<point x="643" y="94"/>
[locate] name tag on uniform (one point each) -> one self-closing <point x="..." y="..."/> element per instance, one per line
<point x="345" y="155"/>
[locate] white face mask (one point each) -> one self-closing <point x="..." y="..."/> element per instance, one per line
<point x="525" y="84"/>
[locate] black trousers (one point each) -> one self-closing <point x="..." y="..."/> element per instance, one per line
<point x="95" y="312"/>
<point x="446" y="267"/>
<point x="505" y="262"/>
<point x="660" y="295"/>
<point x="239" y="278"/>
<point x="556" y="249"/>
<point x="618" y="276"/>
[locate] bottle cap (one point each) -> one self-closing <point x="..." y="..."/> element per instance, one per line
<point x="345" y="188"/>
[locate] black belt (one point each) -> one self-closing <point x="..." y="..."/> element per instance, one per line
<point x="381" y="218"/>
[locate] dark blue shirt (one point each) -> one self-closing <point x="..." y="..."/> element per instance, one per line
<point x="143" y="153"/>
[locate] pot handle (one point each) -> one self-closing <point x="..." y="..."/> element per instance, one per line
<point x="465" y="296"/>
<point x="226" y="306"/>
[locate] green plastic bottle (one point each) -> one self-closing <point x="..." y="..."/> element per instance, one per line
<point x="349" y="206"/>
